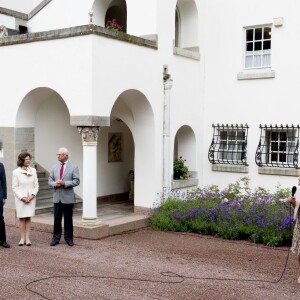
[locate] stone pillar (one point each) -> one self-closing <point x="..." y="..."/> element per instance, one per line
<point x="167" y="164"/>
<point x="89" y="136"/>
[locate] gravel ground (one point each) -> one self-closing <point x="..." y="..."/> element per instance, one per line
<point x="134" y="266"/>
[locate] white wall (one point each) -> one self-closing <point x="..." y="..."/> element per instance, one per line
<point x="20" y="6"/>
<point x="113" y="177"/>
<point x="91" y="72"/>
<point x="61" y="14"/>
<point x="141" y="17"/>
<point x="47" y="64"/>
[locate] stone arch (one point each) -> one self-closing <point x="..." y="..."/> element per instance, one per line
<point x="185" y="147"/>
<point x="186" y="24"/>
<point x="43" y="125"/>
<point x="131" y="115"/>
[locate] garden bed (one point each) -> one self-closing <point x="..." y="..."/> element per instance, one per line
<point x="235" y="213"/>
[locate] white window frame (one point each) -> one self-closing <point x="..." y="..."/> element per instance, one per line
<point x="281" y="147"/>
<point x="233" y="144"/>
<point x="258" y="59"/>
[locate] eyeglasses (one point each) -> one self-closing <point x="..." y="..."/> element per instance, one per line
<point x="58" y="154"/>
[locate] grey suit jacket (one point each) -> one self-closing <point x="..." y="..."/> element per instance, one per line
<point x="65" y="194"/>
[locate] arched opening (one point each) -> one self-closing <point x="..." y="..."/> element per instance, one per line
<point x="115" y="161"/>
<point x="117" y="10"/>
<point x="186" y="25"/>
<point x="132" y="122"/>
<point x="177" y="28"/>
<point x="43" y="126"/>
<point x="185" y="147"/>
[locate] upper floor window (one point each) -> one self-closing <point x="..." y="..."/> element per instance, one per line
<point x="258" y="47"/>
<point x="278" y="146"/>
<point x="229" y="145"/>
<point x="186" y="25"/>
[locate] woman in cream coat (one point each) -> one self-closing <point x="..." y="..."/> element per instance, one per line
<point x="25" y="187"/>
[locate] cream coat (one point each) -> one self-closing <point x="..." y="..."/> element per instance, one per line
<point x="25" y="184"/>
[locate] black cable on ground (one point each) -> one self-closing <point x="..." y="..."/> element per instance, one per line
<point x="181" y="278"/>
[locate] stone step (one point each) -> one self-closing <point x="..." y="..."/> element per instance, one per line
<point x="41" y="174"/>
<point x="114" y="226"/>
<point x="46" y="206"/>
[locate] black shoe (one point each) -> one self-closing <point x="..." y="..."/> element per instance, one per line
<point x="54" y="243"/>
<point x="5" y="245"/>
<point x="70" y="243"/>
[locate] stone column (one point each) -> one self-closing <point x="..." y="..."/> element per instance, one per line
<point x="89" y="136"/>
<point x="167" y="164"/>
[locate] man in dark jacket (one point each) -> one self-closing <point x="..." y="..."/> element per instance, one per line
<point x="3" y="196"/>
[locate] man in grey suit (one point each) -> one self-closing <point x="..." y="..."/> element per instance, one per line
<point x="63" y="178"/>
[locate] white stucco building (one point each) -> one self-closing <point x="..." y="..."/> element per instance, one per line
<point x="212" y="81"/>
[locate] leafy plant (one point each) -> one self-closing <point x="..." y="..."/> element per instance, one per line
<point x="113" y="25"/>
<point x="180" y="170"/>
<point x="258" y="216"/>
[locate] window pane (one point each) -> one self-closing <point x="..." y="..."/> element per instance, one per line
<point x="249" y="35"/>
<point x="283" y="136"/>
<point x="267" y="45"/>
<point x="282" y="157"/>
<point x="291" y="134"/>
<point x="249" y="61"/>
<point x="257" y="46"/>
<point x="282" y="147"/>
<point x="274" y="157"/>
<point x="223" y="145"/>
<point x="223" y="135"/>
<point x="291" y="146"/>
<point x="267" y="33"/>
<point x="240" y="135"/>
<point x="290" y="158"/>
<point x="231" y="146"/>
<point x="274" y="146"/>
<point x="258" y="34"/>
<point x="249" y="47"/>
<point x="266" y="61"/>
<point x="257" y="61"/>
<point x="240" y="146"/>
<point x="274" y="136"/>
<point x="231" y="135"/>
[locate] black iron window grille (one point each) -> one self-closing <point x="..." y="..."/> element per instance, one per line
<point x="278" y="146"/>
<point x="229" y="145"/>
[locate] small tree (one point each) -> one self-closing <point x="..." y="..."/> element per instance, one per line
<point x="180" y="170"/>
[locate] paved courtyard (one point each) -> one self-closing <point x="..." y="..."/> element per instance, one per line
<point x="133" y="266"/>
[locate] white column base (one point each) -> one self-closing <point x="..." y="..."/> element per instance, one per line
<point x="90" y="222"/>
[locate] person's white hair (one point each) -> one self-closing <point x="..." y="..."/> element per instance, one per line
<point x="64" y="150"/>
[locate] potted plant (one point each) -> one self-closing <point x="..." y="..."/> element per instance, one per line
<point x="180" y="170"/>
<point x="113" y="25"/>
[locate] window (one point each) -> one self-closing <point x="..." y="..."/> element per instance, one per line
<point x="229" y="145"/>
<point x="258" y="47"/>
<point x="278" y="146"/>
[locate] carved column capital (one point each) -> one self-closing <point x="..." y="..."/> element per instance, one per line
<point x="89" y="134"/>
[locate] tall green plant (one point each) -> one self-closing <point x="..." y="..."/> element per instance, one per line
<point x="180" y="169"/>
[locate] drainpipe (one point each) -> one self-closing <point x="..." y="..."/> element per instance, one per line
<point x="168" y="82"/>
